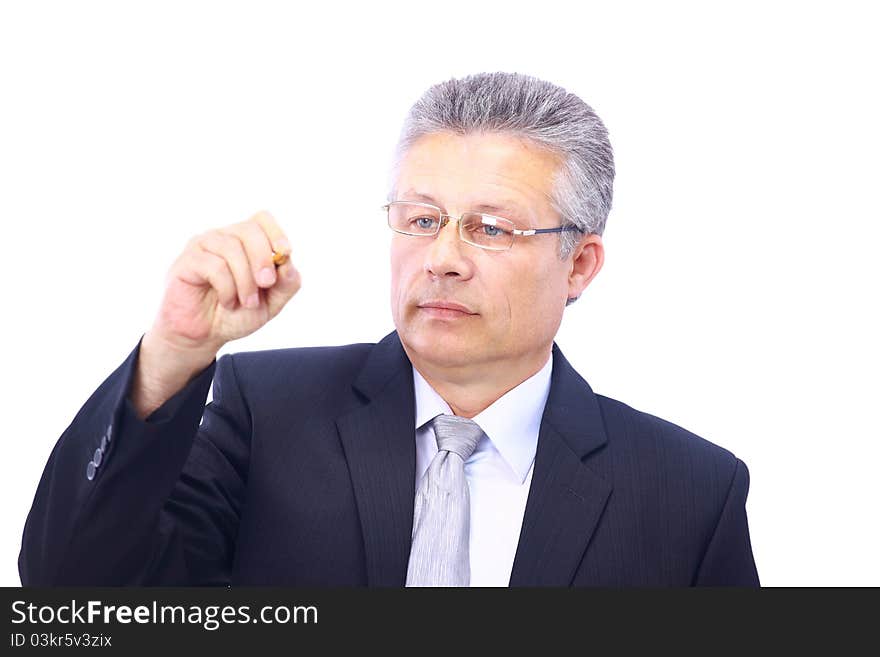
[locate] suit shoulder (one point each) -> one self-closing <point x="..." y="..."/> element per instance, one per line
<point x="351" y="354"/>
<point x="302" y="368"/>
<point x="632" y="429"/>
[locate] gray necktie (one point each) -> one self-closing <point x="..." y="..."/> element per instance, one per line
<point x="439" y="555"/>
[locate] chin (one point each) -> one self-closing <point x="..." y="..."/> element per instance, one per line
<point x="441" y="348"/>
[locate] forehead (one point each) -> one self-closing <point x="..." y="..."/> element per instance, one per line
<point x="488" y="169"/>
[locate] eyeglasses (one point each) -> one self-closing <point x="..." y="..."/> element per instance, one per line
<point x="483" y="230"/>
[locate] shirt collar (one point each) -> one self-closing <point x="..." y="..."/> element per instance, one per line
<point x="512" y="422"/>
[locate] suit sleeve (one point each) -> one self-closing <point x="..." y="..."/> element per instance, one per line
<point x="728" y="559"/>
<point x="126" y="501"/>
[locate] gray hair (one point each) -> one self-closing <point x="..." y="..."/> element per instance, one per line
<point x="538" y="111"/>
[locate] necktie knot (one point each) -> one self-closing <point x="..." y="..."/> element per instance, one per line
<point x="458" y="435"/>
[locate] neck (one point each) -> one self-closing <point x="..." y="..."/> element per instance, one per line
<point x="471" y="389"/>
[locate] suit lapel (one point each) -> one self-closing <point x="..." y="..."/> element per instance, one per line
<point x="566" y="497"/>
<point x="379" y="442"/>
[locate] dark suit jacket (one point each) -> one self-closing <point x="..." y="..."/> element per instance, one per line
<point x="302" y="473"/>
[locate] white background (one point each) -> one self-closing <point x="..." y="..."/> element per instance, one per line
<point x="739" y="293"/>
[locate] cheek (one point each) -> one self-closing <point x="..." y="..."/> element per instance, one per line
<point x="396" y="288"/>
<point x="534" y="299"/>
<point x="397" y="261"/>
<point x="401" y="275"/>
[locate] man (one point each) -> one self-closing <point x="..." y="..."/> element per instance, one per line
<point x="462" y="449"/>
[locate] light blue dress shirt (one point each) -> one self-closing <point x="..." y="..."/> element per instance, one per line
<point x="499" y="472"/>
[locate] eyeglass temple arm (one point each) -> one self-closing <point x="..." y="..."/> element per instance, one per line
<point x="535" y="231"/>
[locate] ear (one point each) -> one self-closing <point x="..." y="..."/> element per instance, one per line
<point x="586" y="261"/>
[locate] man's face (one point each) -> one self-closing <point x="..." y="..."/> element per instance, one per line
<point x="515" y="297"/>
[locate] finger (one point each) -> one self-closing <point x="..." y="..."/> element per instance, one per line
<point x="230" y="248"/>
<point x="277" y="239"/>
<point x="289" y="283"/>
<point x="200" y="267"/>
<point x="258" y="248"/>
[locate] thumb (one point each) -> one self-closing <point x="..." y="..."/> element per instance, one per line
<point x="287" y="284"/>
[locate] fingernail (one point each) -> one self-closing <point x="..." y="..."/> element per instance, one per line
<point x="252" y="301"/>
<point x="283" y="246"/>
<point x="266" y="276"/>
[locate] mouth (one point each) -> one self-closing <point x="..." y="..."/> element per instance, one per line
<point x="445" y="310"/>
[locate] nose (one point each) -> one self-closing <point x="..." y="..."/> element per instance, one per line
<point x="446" y="254"/>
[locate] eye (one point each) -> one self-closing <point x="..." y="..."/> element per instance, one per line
<point x="488" y="230"/>
<point x="424" y="222"/>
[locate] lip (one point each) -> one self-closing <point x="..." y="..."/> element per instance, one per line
<point x="446" y="308"/>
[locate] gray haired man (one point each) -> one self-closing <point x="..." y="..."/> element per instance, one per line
<point x="461" y="449"/>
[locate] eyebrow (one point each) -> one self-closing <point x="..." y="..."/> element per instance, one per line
<point x="502" y="210"/>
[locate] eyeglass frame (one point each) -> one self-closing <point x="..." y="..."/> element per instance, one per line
<point x="445" y="218"/>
